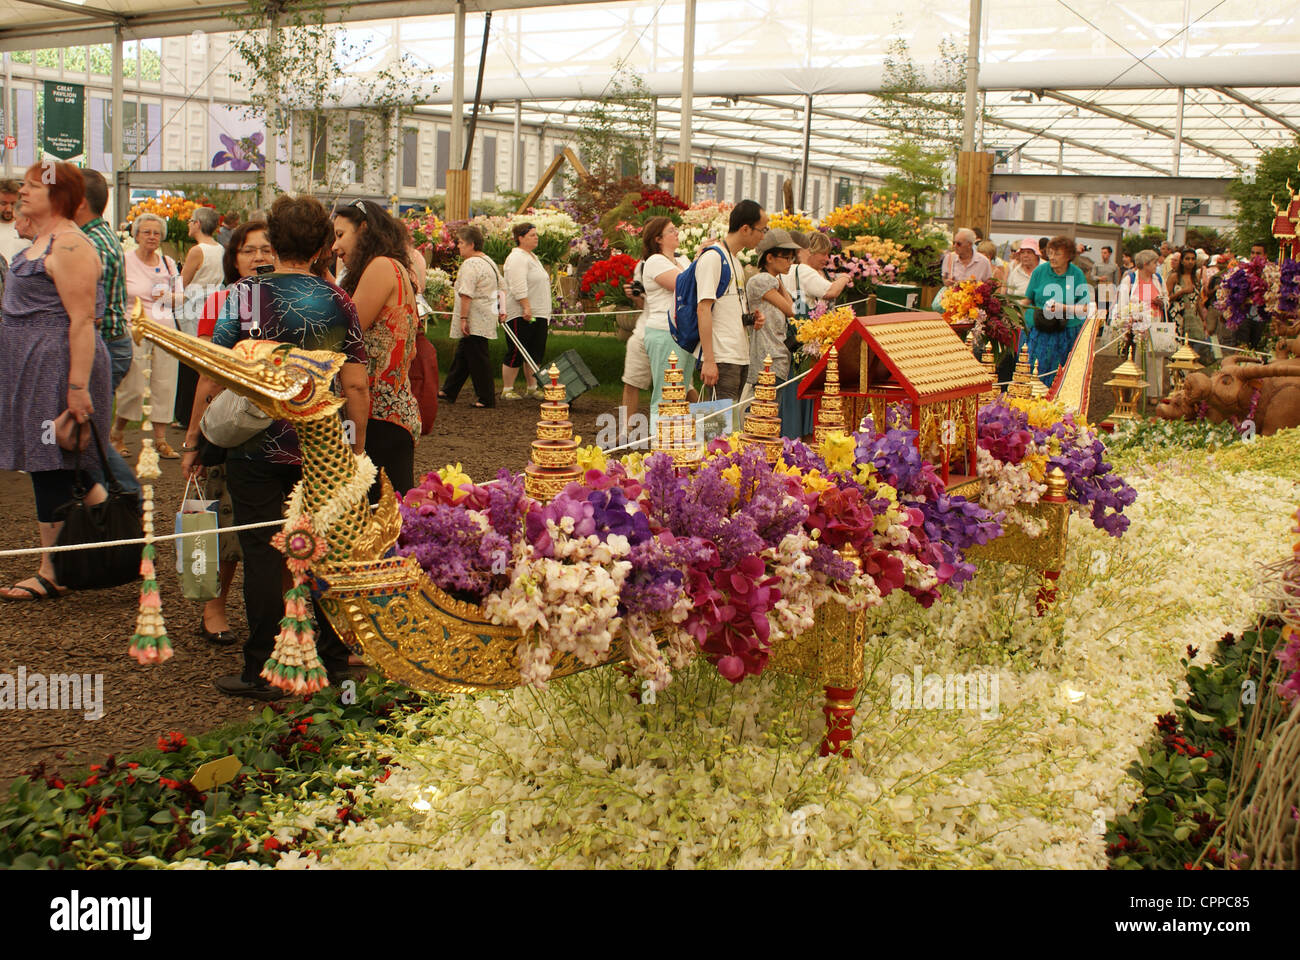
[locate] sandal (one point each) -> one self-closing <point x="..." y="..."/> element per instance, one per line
<point x="480" y="405"/>
<point x="165" y="450"/>
<point x="51" y="591"/>
<point x="443" y="398"/>
<point x="118" y="442"/>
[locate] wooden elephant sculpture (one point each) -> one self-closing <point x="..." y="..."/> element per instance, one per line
<point x="1187" y="402"/>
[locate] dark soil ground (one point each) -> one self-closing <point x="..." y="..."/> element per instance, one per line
<point x="88" y="632"/>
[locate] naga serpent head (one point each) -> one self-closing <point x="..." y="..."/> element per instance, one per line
<point x="286" y="382"/>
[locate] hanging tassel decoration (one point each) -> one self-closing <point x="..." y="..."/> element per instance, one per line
<point x="149" y="643"/>
<point x="295" y="665"/>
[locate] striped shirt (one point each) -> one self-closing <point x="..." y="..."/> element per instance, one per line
<point x="114" y="277"/>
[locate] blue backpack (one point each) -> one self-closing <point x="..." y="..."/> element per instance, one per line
<point x="684" y="325"/>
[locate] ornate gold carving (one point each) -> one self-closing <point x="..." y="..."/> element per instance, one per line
<point x="384" y="527"/>
<point x="1044" y="552"/>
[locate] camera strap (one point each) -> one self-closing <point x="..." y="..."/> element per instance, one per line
<point x="735" y="278"/>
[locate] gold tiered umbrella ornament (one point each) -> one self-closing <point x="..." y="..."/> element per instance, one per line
<point x="1022" y="387"/>
<point x="763" y="422"/>
<point x="555" y="452"/>
<point x="830" y="410"/>
<point x="675" y="429"/>
<point x="990" y="365"/>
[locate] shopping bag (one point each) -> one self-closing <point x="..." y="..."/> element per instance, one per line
<point x="710" y="421"/>
<point x="1163" y="337"/>
<point x="198" y="558"/>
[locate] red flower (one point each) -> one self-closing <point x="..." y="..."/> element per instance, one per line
<point x="91" y="780"/>
<point x="270" y="844"/>
<point x="96" y="816"/>
<point x="173" y="742"/>
<point x="167" y="782"/>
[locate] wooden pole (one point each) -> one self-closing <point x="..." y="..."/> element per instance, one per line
<point x="684" y="169"/>
<point x="974" y="207"/>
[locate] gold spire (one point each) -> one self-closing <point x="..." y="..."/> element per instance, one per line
<point x="830" y="410"/>
<point x="675" y="430"/>
<point x="555" y="452"/>
<point x="763" y="422"/>
<point x="1021" y="388"/>
<point x="1037" y="388"/>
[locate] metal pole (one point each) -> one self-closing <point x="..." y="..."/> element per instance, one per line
<point x="117" y="176"/>
<point x="972" y="78"/>
<point x="10" y="129"/>
<point x="458" y="85"/>
<point x="688" y="83"/>
<point x="1177" y="159"/>
<point x="519" y="147"/>
<point x="807" y="141"/>
<point x="651" y="161"/>
<point x="478" y="90"/>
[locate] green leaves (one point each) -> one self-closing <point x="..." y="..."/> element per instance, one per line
<point x="143" y="810"/>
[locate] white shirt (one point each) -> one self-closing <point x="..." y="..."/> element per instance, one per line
<point x="660" y="303"/>
<point x="10" y="243"/>
<point x="526" y="279"/>
<point x="1017" y="279"/>
<point x="804" y="281"/>
<point x="730" y="342"/>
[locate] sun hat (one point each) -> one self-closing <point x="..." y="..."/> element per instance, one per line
<point x="1029" y="243"/>
<point x="800" y="239"/>
<point x="776" y="239"/>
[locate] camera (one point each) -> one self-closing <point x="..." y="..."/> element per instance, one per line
<point x="638" y="288"/>
<point x="265" y="268"/>
<point x="749" y="318"/>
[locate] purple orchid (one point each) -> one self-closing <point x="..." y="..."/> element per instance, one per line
<point x="240" y="154"/>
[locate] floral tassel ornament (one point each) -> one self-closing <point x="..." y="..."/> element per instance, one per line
<point x="294" y="665"/>
<point x="149" y="643"/>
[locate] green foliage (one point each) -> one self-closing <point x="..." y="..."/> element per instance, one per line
<point x="294" y="70"/>
<point x="918" y="171"/>
<point x="1254" y="201"/>
<point x="1150" y="237"/>
<point x="101" y="60"/>
<point x="1186" y="767"/>
<point x="144" y="811"/>
<point x="612" y="132"/>
<point x="1207" y="239"/>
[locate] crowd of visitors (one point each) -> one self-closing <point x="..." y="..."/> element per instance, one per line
<point x="67" y="361"/>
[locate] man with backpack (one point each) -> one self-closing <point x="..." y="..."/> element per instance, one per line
<point x="721" y="309"/>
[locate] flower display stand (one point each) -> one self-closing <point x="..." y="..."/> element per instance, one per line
<point x="829" y="654"/>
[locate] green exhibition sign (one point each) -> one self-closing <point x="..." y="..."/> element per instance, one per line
<point x="65" y="120"/>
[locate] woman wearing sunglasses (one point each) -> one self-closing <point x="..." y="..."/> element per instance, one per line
<point x="372" y="245"/>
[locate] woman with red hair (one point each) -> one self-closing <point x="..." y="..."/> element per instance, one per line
<point x="51" y="362"/>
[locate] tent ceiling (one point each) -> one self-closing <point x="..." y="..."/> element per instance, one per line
<point x="1094" y="90"/>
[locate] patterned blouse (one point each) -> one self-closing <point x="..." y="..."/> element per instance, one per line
<point x="289" y="308"/>
<point x="390" y="346"/>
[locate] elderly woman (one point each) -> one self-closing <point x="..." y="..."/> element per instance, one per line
<point x="1145" y="287"/>
<point x="52" y="365"/>
<point x="1059" y="299"/>
<point x="476" y="311"/>
<point x="151" y="277"/>
<point x="528" y="311"/>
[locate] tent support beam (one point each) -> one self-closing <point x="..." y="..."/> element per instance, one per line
<point x="1126" y="118"/>
<point x="1257" y="107"/>
<point x="97" y="13"/>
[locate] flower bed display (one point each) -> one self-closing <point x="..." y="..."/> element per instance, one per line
<point x="865" y="273"/>
<point x="176" y="211"/>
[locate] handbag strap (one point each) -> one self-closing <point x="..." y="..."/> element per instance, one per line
<point x="110" y="481"/>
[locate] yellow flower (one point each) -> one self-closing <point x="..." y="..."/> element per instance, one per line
<point x="1037" y="466"/>
<point x="457" y="478"/>
<point x="814" y="482"/>
<point x="634" y="463"/>
<point x="591" y="458"/>
<point x="838" y="451"/>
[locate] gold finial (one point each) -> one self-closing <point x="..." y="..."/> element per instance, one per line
<point x="1037" y="388"/>
<point x="1057" y="485"/>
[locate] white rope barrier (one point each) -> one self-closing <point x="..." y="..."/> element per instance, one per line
<point x="29" y="551"/>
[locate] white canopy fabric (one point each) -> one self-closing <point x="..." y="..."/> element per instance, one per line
<point x="1092" y="89"/>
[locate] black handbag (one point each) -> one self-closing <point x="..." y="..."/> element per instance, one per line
<point x="116" y="518"/>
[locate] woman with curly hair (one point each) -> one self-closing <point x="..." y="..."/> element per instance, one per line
<point x="372" y="245"/>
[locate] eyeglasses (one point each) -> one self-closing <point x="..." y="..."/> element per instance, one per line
<point x="266" y="251"/>
<point x="782" y="254"/>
